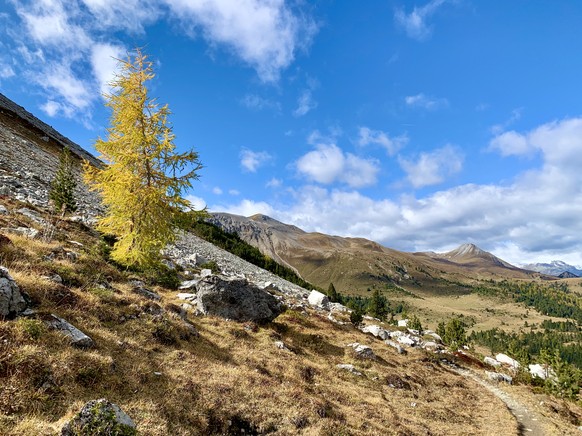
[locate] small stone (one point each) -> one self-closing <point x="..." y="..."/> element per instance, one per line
<point x="3" y="210"/>
<point x="348" y="367"/>
<point x="77" y="337"/>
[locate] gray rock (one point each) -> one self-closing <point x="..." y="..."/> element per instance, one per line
<point x="140" y="289"/>
<point x="348" y="367"/>
<point x="77" y="337"/>
<point x="186" y="296"/>
<point x="3" y="210"/>
<point x="236" y="299"/>
<point x="24" y="231"/>
<point x="498" y="377"/>
<point x="396" y="346"/>
<point x="189" y="284"/>
<point x="362" y="351"/>
<point x="99" y="417"/>
<point x="377" y="331"/>
<point x="491" y="361"/>
<point x="12" y="301"/>
<point x="31" y="215"/>
<point x="318" y="299"/>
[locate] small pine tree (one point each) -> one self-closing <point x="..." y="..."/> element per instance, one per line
<point x="143" y="180"/>
<point x="62" y="192"/>
<point x="356" y="316"/>
<point x="415" y="324"/>
<point x="378" y="305"/>
<point x="333" y="295"/>
<point x="455" y="333"/>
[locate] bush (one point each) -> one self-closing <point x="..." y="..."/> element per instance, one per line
<point x="356" y="317"/>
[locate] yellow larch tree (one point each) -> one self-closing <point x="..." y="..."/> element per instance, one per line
<point x="143" y="179"/>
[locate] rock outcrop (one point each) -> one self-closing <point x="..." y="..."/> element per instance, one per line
<point x="12" y="301"/>
<point x="236" y="299"/>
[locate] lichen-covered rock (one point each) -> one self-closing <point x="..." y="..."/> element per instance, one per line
<point x="12" y="301"/>
<point x="100" y="418"/>
<point x="236" y="299"/>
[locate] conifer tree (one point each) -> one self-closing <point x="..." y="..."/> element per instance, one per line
<point x="62" y="192"/>
<point x="144" y="178"/>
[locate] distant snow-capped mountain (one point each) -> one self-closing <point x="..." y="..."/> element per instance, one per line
<point x="554" y="268"/>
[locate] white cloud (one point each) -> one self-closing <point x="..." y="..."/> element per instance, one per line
<point x="246" y="208"/>
<point x="51" y="108"/>
<point x="264" y="34"/>
<point x="216" y="190"/>
<point x="252" y="160"/>
<point x="131" y="15"/>
<point x="104" y="59"/>
<point x="426" y="102"/>
<point x="515" y="116"/>
<point x="415" y="23"/>
<point x="305" y="103"/>
<point x="233" y="192"/>
<point x="6" y="71"/>
<point x="392" y="145"/>
<point x="432" y="168"/>
<point x="198" y="203"/>
<point x="47" y="21"/>
<point x="510" y="143"/>
<point x="328" y="164"/>
<point x="274" y="183"/>
<point x="255" y="102"/>
<point x="60" y="79"/>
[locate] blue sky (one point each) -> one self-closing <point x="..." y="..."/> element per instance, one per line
<point x="421" y="125"/>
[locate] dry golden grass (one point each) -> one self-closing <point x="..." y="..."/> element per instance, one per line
<point x="229" y="378"/>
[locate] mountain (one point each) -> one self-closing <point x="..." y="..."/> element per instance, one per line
<point x="554" y="268"/>
<point x="355" y="264"/>
<point x="470" y="255"/>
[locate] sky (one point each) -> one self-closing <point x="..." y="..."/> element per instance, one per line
<point x="421" y="125"/>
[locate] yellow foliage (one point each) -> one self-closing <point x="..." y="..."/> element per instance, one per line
<point x="143" y="179"/>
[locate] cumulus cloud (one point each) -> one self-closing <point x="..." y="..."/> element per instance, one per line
<point x="425" y="102"/>
<point x="216" y="190"/>
<point x="510" y="143"/>
<point x="274" y="183"/>
<point x="415" y="23"/>
<point x="392" y="145"/>
<point x="252" y="160"/>
<point x="264" y="34"/>
<point x="130" y="15"/>
<point x="104" y="59"/>
<point x="433" y="167"/>
<point x="534" y="218"/>
<point x="305" y="103"/>
<point x="198" y="203"/>
<point x="328" y="164"/>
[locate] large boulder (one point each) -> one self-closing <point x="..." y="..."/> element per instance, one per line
<point x="236" y="299"/>
<point x="318" y="299"/>
<point x="100" y="417"/>
<point x="504" y="358"/>
<point x="11" y="300"/>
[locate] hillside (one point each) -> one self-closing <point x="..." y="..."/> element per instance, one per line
<point x="76" y="327"/>
<point x="555" y="268"/>
<point x="355" y="264"/>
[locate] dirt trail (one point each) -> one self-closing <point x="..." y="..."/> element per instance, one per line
<point x="529" y="422"/>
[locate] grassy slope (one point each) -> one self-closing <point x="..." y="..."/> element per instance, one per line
<point x="229" y="378"/>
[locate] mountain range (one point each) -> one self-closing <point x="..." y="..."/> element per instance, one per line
<point x="556" y="268"/>
<point x="356" y="264"/>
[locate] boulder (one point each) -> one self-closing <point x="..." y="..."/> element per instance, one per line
<point x="348" y="367"/>
<point x="362" y="351"/>
<point x="498" y="377"/>
<point x="504" y="358"/>
<point x="189" y="284"/>
<point x="77" y="337"/>
<point x="318" y="299"/>
<point x="541" y="371"/>
<point x="406" y="340"/>
<point x="396" y="346"/>
<point x="191" y="260"/>
<point x="491" y="361"/>
<point x="403" y="323"/>
<point x="12" y="302"/>
<point x="3" y="210"/>
<point x="377" y="331"/>
<point x="236" y="299"/>
<point x="99" y="417"/>
<point x="186" y="296"/>
<point x="140" y="289"/>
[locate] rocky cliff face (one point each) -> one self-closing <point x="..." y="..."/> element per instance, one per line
<point x="29" y="158"/>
